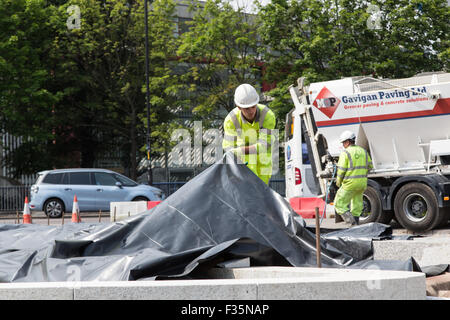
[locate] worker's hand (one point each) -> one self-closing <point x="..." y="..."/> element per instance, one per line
<point x="239" y="153"/>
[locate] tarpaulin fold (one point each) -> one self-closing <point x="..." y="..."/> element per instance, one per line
<point x="226" y="213"/>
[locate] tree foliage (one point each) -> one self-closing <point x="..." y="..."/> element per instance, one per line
<point x="76" y="94"/>
<point x="330" y="39"/>
<point x="221" y="50"/>
<point x="86" y="85"/>
<point x="26" y="96"/>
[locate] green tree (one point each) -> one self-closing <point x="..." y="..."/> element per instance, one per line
<point x="220" y="49"/>
<point x="102" y="70"/>
<point x="330" y="39"/>
<point x="26" y="98"/>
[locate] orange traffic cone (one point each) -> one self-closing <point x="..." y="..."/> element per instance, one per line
<point x="75" y="211"/>
<point x="26" y="213"/>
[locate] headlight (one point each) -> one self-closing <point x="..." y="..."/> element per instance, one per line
<point x="34" y="189"/>
<point x="159" y="194"/>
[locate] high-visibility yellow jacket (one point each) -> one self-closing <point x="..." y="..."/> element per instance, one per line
<point x="239" y="132"/>
<point x="352" y="168"/>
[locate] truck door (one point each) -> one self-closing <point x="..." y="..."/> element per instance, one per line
<point x="300" y="181"/>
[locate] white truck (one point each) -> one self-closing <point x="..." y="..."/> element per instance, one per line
<point x="405" y="126"/>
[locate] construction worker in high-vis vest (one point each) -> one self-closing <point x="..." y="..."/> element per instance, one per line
<point x="248" y="132"/>
<point x="352" y="168"/>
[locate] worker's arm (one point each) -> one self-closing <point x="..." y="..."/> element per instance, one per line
<point x="342" y="167"/>
<point x="230" y="135"/>
<point x="370" y="162"/>
<point x="266" y="135"/>
<point x="249" y="149"/>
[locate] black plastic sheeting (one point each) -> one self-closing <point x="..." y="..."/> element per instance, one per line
<point x="224" y="215"/>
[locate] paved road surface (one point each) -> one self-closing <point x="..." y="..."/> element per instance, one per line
<point x="104" y="217"/>
<point x="41" y="218"/>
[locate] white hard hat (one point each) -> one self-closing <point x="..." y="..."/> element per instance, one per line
<point x="346" y="135"/>
<point x="246" y="96"/>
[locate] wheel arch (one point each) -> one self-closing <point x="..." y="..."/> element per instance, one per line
<point x="374" y="184"/>
<point x="431" y="181"/>
<point x="134" y="198"/>
<point x="385" y="215"/>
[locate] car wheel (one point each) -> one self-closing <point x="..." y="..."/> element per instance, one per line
<point x="54" y="208"/>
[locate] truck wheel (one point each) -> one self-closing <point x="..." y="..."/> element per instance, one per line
<point x="373" y="210"/>
<point x="386" y="217"/>
<point x="445" y="216"/>
<point x="372" y="206"/>
<point x="416" y="207"/>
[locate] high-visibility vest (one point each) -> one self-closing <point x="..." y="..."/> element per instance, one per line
<point x="352" y="168"/>
<point x="239" y="132"/>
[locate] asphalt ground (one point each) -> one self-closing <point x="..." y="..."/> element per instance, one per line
<point x="39" y="217"/>
<point x="104" y="217"/>
<point x="397" y="229"/>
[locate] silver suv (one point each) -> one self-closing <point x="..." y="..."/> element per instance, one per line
<point x="54" y="190"/>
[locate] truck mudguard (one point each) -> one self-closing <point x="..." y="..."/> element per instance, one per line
<point x="439" y="183"/>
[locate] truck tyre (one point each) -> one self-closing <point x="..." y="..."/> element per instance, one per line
<point x="372" y="206"/>
<point x="416" y="207"/>
<point x="373" y="210"/>
<point x="386" y="217"/>
<point x="445" y="216"/>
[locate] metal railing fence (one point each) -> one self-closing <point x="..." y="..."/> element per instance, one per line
<point x="171" y="187"/>
<point x="12" y="198"/>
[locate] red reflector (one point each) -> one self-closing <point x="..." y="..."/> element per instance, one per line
<point x="298" y="176"/>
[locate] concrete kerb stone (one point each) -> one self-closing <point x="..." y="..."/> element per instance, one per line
<point x="37" y="291"/>
<point x="329" y="284"/>
<point x="426" y="251"/>
<point x="168" y="290"/>
<point x="259" y="283"/>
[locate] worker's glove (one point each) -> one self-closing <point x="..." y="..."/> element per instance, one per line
<point x="237" y="151"/>
<point x="239" y="154"/>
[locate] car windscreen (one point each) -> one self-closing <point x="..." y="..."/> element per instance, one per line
<point x="125" y="181"/>
<point x="105" y="179"/>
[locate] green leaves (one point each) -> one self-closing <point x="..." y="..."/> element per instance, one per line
<point x="86" y="87"/>
<point x="221" y="50"/>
